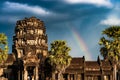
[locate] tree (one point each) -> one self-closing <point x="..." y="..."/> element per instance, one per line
<point x="3" y="47"/>
<point x="110" y="45"/>
<point x="59" y="57"/>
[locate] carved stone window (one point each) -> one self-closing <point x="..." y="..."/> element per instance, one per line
<point x="18" y="33"/>
<point x="43" y="41"/>
<point x="44" y="53"/>
<point x="38" y="51"/>
<point x="36" y="31"/>
<point x="30" y="23"/>
<point x="30" y="42"/>
<point x="30" y="31"/>
<point x="89" y="77"/>
<point x="36" y="42"/>
<point x="35" y="24"/>
<point x="40" y="31"/>
<point x="39" y="42"/>
<point x="20" y="52"/>
<point x="79" y="77"/>
<point x="22" y="41"/>
<point x="21" y="32"/>
<point x="97" y="78"/>
<point x="106" y="77"/>
<point x="19" y="42"/>
<point x="93" y="69"/>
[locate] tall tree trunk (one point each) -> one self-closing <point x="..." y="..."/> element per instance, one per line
<point x="53" y="76"/>
<point x="115" y="72"/>
<point x="60" y="77"/>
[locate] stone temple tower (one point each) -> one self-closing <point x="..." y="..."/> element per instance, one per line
<point x="30" y="47"/>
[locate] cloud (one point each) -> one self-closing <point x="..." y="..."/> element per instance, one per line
<point x="12" y="6"/>
<point x="95" y="2"/>
<point x="8" y="18"/>
<point x="113" y="20"/>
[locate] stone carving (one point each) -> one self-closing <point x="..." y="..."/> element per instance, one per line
<point x="30" y="41"/>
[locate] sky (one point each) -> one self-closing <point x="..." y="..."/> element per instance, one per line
<point x="78" y="22"/>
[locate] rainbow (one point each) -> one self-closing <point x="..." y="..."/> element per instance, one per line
<point x="81" y="44"/>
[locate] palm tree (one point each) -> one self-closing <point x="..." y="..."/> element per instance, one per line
<point x="3" y="47"/>
<point x="59" y="57"/>
<point x="110" y="45"/>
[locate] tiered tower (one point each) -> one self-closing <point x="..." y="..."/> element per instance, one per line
<point x="30" y="46"/>
<point x="30" y="36"/>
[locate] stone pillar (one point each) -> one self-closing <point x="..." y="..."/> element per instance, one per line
<point x="111" y="77"/>
<point x="68" y="77"/>
<point x="75" y="76"/>
<point x="79" y="77"/>
<point x="34" y="73"/>
<point x="25" y="73"/>
<point x="36" y="70"/>
<point x="71" y="77"/>
<point x="118" y="75"/>
<point x="85" y="77"/>
<point x="18" y="75"/>
<point x="102" y="77"/>
<point x="22" y="75"/>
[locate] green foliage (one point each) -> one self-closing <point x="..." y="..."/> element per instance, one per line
<point x="3" y="47"/>
<point x="59" y="55"/>
<point x="110" y="43"/>
<point x="112" y="32"/>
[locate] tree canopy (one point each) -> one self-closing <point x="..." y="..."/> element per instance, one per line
<point x="59" y="56"/>
<point x="110" y="43"/>
<point x="3" y="47"/>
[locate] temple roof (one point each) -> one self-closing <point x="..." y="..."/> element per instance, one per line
<point x="79" y="63"/>
<point x="10" y="59"/>
<point x="29" y="23"/>
<point x="92" y="64"/>
<point x="76" y="64"/>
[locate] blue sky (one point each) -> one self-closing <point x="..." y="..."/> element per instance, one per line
<point x="87" y="17"/>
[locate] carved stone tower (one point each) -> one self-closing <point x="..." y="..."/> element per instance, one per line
<point x="30" y="46"/>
